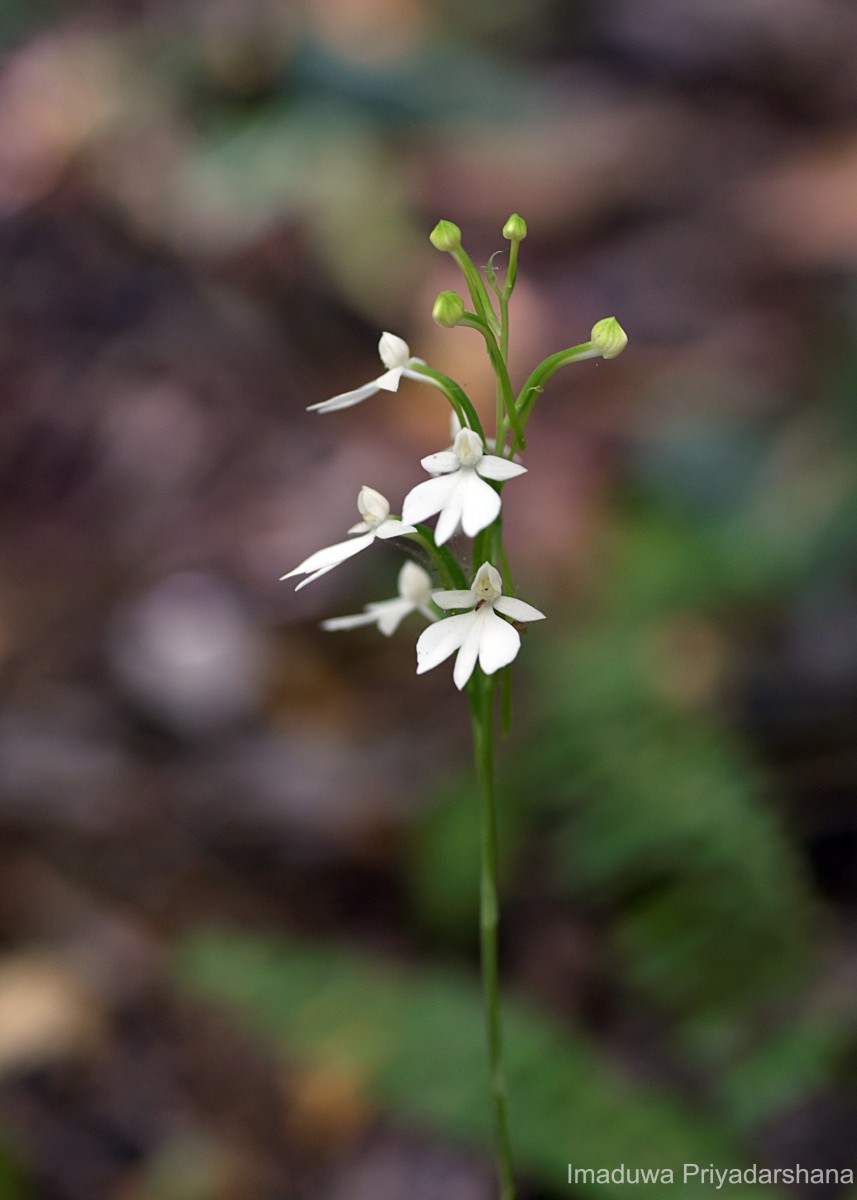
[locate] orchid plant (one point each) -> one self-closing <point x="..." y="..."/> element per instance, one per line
<point x="465" y="493"/>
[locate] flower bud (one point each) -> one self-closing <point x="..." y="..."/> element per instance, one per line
<point x="445" y="236"/>
<point x="609" y="338"/>
<point x="448" y="309"/>
<point x="515" y="229"/>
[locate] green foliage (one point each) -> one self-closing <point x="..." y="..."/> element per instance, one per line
<point x="785" y="1069"/>
<point x="441" y="862"/>
<point x="187" y="1167"/>
<point x="414" y="1040"/>
<point x="311" y="159"/>
<point x="14" y="1181"/>
<point x="661" y="817"/>
<point x="438" y="84"/>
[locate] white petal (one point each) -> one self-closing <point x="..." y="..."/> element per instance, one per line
<point x="393" y="528"/>
<point x="436" y="643"/>
<point x="386" y="614"/>
<point x="454" y="599"/>
<point x="346" y="399"/>
<point x="491" y="466"/>
<point x="394" y="351"/>
<point x="441" y="463"/>
<point x="360" y="527"/>
<point x="390" y="613"/>
<point x="315" y="575"/>
<point x="480" y="506"/>
<point x="331" y="556"/>
<point x="450" y="515"/>
<point x="414" y="583"/>
<point x="499" y="643"/>
<point x="390" y="380"/>
<point x="428" y="498"/>
<point x="467" y="655"/>
<point x="518" y="610"/>
<point x="334" y="623"/>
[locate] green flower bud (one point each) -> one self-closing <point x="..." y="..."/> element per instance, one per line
<point x="448" y="309"/>
<point x="445" y="236"/>
<point x="609" y="338"/>
<point x="515" y="229"/>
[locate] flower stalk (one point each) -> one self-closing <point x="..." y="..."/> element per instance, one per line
<point x="482" y="715"/>
<point x="457" y="397"/>
<point x="471" y="617"/>
<point x="507" y="413"/>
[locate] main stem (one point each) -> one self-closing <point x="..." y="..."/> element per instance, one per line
<point x="482" y="710"/>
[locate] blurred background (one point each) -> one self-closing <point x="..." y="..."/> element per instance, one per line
<point x="238" y="892"/>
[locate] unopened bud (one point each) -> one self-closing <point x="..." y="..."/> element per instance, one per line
<point x="445" y="236"/>
<point x="515" y="229"/>
<point x="448" y="309"/>
<point x="609" y="338"/>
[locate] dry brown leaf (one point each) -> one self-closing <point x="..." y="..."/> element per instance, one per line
<point x="45" y="1013"/>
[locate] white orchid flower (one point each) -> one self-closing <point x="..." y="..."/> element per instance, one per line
<point x="459" y="492"/>
<point x="396" y="357"/>
<point x="377" y="523"/>
<point x="414" y="594"/>
<point x="480" y="634"/>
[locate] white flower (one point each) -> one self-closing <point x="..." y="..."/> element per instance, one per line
<point x="414" y="595"/>
<point x="396" y="357"/>
<point x="479" y="634"/>
<point x="458" y="493"/>
<point x="376" y="523"/>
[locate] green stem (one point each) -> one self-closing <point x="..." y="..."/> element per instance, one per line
<point x="506" y="700"/>
<point x="504" y="326"/>
<point x="512" y="270"/>
<point x="481" y="705"/>
<point x="464" y="410"/>
<point x="475" y="287"/>
<point x="511" y="407"/>
<point x="508" y="413"/>
<point x="505" y="404"/>
<point x="448" y="569"/>
<point x="545" y="370"/>
<point x="505" y="569"/>
<point x="506" y="410"/>
<point x="488" y="546"/>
